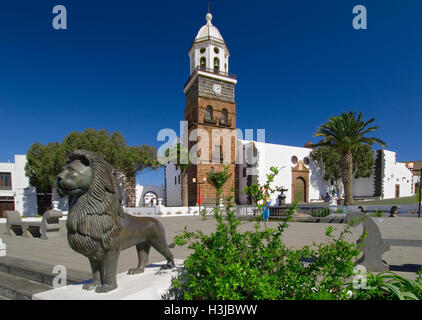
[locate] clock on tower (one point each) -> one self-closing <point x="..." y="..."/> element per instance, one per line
<point x="211" y="108"/>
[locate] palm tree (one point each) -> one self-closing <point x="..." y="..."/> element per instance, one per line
<point x="345" y="133"/>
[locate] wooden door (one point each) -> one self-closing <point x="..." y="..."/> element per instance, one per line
<point x="300" y="190"/>
<point x="6" y="205"/>
<point x="397" y="191"/>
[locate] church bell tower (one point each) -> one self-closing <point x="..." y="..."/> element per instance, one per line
<point x="210" y="113"/>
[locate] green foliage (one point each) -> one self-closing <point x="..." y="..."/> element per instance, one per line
<point x="389" y="286"/>
<point x="377" y="213"/>
<point x="178" y="155"/>
<point x="254" y="265"/>
<point x="323" y="212"/>
<point x="219" y="179"/>
<point x="328" y="160"/>
<point x="46" y="161"/>
<point x="346" y="132"/>
<point x="204" y="214"/>
<point x="258" y="193"/>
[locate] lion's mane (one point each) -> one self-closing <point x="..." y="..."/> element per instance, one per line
<point x="94" y="218"/>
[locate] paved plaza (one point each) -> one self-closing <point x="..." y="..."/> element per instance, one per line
<point x="404" y="234"/>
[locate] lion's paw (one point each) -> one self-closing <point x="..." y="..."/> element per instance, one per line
<point x="134" y="271"/>
<point x="169" y="265"/>
<point x="105" y="288"/>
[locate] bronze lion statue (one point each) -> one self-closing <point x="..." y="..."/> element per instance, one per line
<point x="97" y="226"/>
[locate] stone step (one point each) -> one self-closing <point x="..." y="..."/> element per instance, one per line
<point x="38" y="272"/>
<point x="16" y="288"/>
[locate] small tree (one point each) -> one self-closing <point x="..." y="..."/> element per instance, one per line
<point x="218" y="180"/>
<point x="45" y="162"/>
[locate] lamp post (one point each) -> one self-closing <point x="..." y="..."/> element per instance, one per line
<point x="199" y="190"/>
<point x="420" y="186"/>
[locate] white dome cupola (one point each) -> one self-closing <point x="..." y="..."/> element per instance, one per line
<point x="209" y="51"/>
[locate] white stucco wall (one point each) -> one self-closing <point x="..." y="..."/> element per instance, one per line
<point x="279" y="156"/>
<point x="25" y="197"/>
<point x="363" y="187"/>
<point x="396" y="173"/>
<point x="173" y="190"/>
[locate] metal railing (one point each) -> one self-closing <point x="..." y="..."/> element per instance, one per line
<point x="211" y="71"/>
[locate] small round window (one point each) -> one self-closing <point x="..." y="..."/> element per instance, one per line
<point x="306" y="160"/>
<point x="216" y="50"/>
<point x="202" y="50"/>
<point x="294" y="159"/>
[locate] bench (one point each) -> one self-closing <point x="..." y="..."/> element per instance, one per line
<point x="393" y="210"/>
<point x="48" y="226"/>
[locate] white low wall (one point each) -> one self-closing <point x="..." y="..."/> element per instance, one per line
<point x="182" y="211"/>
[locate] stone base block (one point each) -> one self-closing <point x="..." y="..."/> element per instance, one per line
<point x="150" y="285"/>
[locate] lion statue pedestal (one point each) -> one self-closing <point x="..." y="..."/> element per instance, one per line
<point x="97" y="226"/>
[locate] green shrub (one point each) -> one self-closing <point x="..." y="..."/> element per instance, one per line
<point x="389" y="286"/>
<point x="229" y="264"/>
<point x="377" y="213"/>
<point x="204" y="214"/>
<point x="323" y="212"/>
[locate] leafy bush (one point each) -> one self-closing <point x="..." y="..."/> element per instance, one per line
<point x="389" y="286"/>
<point x="228" y="264"/>
<point x="323" y="212"/>
<point x="377" y="213"/>
<point x="204" y="214"/>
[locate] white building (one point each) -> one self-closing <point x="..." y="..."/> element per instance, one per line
<point x="302" y="178"/>
<point x="15" y="191"/>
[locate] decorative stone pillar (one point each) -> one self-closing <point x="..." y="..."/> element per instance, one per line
<point x="130" y="191"/>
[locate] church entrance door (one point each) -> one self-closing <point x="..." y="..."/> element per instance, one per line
<point x="300" y="189"/>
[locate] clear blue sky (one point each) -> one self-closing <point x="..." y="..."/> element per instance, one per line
<point x="121" y="66"/>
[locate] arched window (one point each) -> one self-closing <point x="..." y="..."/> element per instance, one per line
<point x="224" y="116"/>
<point x="209" y="113"/>
<point x="203" y="62"/>
<point x="212" y="170"/>
<point x="216" y="64"/>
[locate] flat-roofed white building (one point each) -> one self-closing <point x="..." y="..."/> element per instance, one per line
<point x="15" y="191"/>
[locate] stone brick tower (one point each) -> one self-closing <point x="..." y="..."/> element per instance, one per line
<point x="210" y="113"/>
